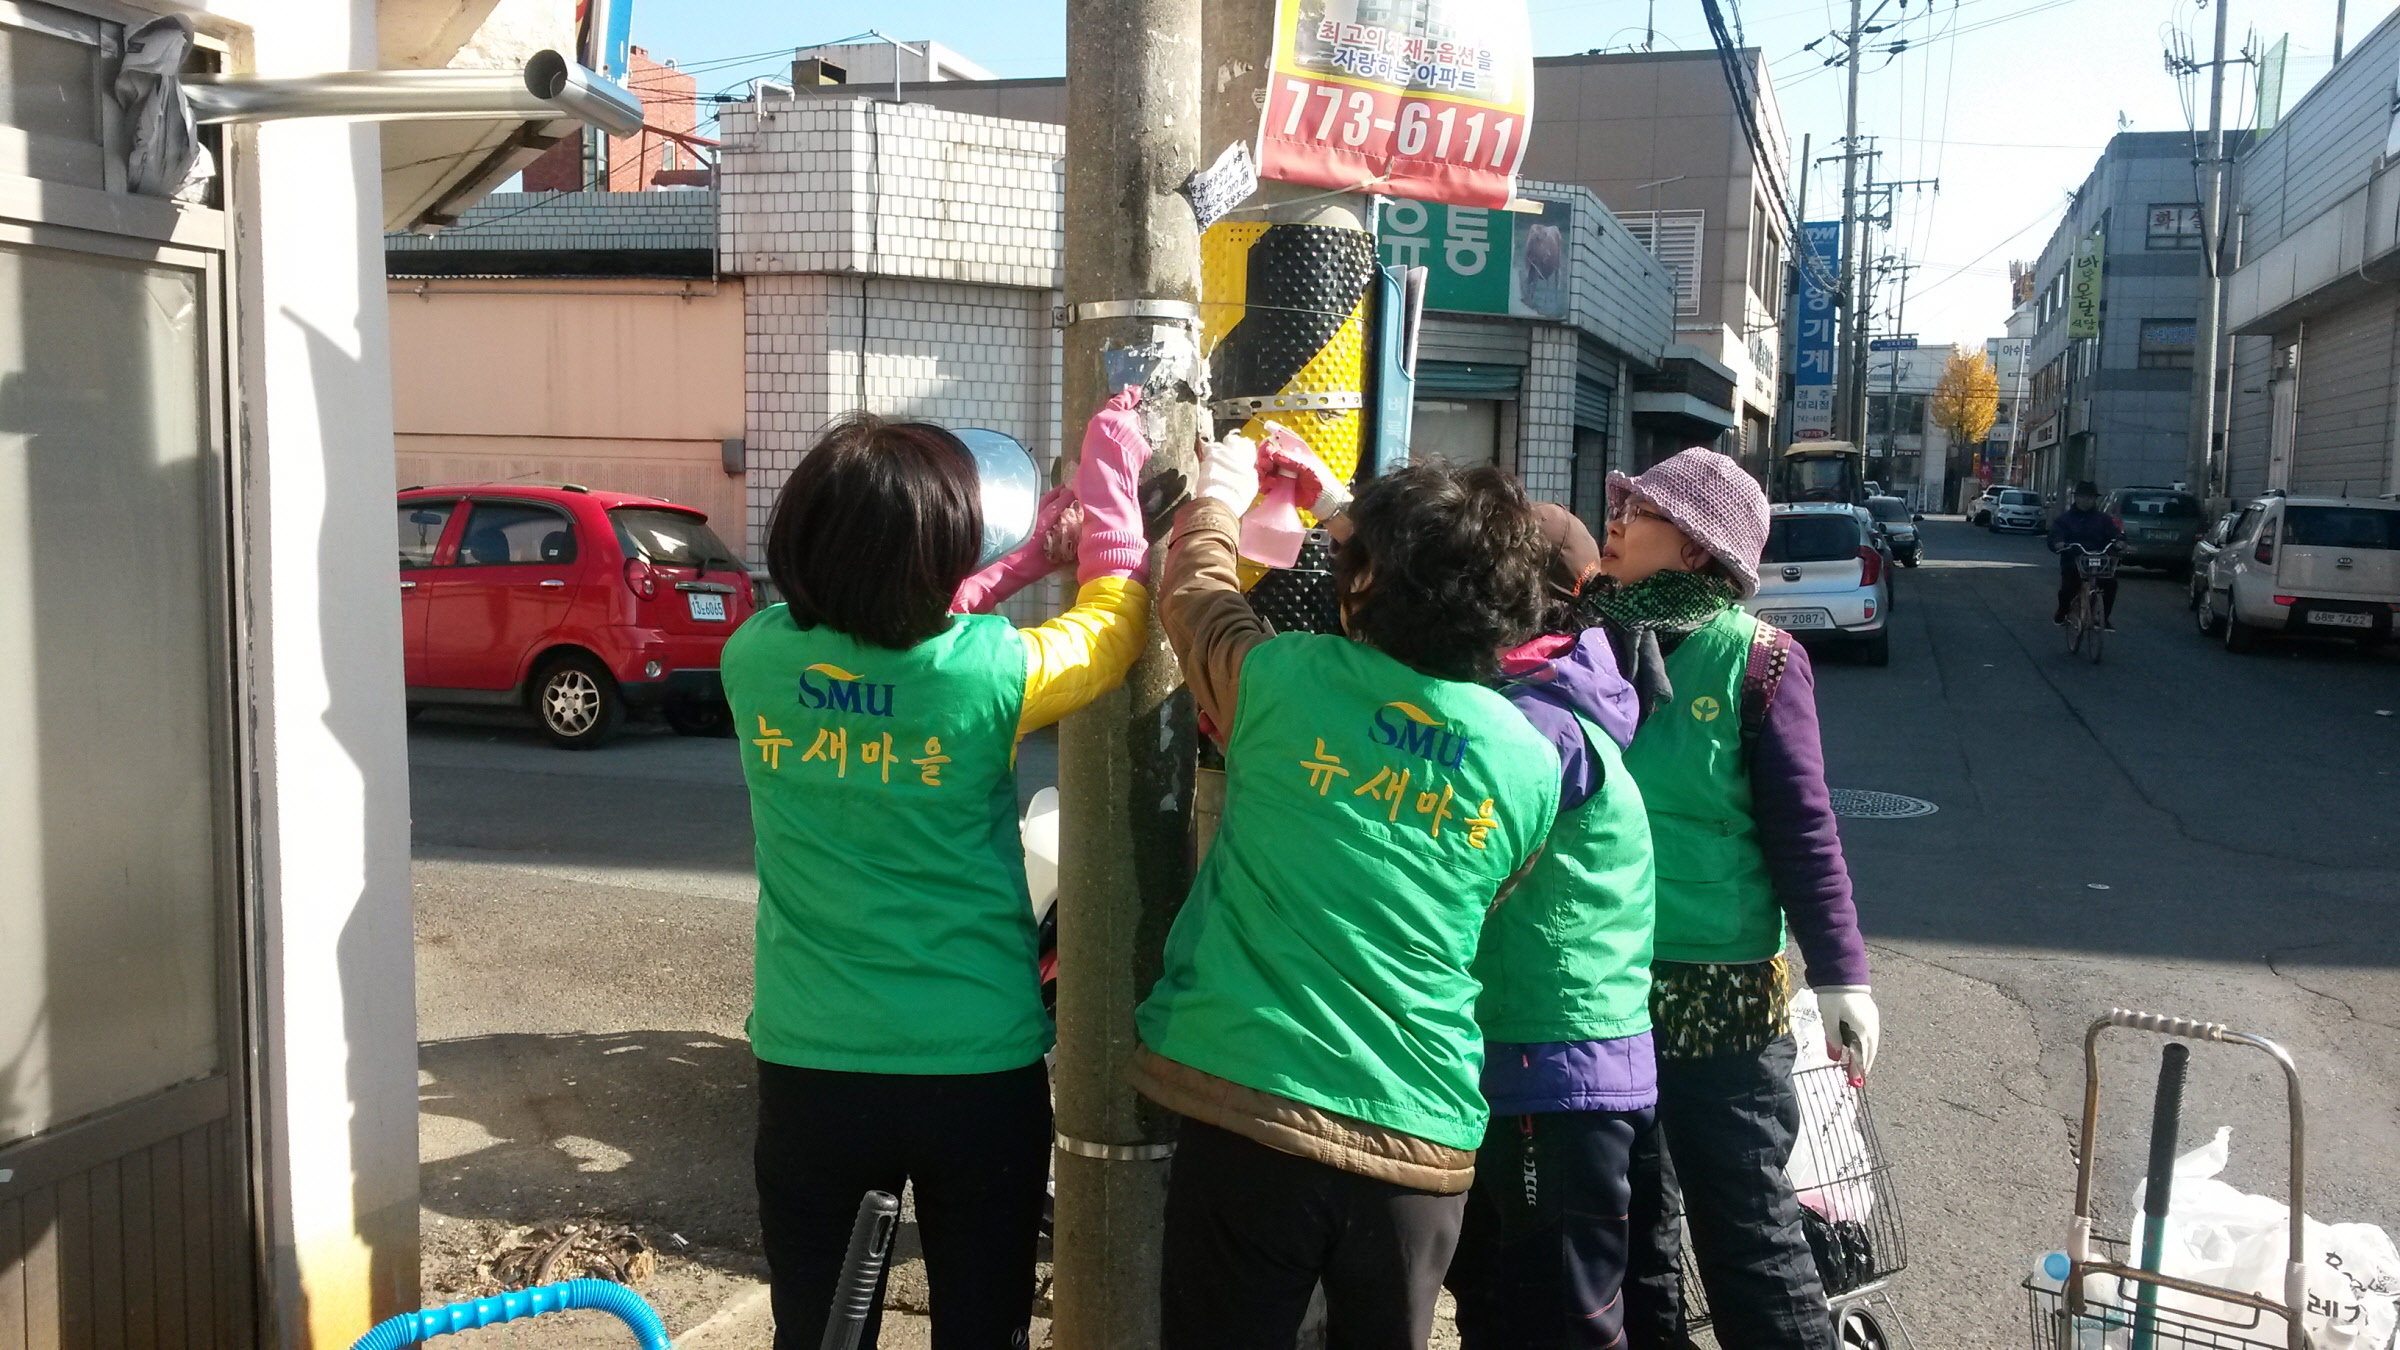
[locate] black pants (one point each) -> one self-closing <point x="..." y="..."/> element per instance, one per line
<point x="1252" y="1231"/>
<point x="1725" y="1130"/>
<point x="977" y="1147"/>
<point x="1541" y="1257"/>
<point x="2070" y="585"/>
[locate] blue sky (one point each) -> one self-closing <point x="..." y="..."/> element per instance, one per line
<point x="2007" y="102"/>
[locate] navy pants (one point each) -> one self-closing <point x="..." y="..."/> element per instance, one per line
<point x="1725" y="1129"/>
<point x="1541" y="1256"/>
<point x="1252" y="1231"/>
<point x="977" y="1148"/>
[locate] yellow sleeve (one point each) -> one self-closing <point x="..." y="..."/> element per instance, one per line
<point x="1084" y="652"/>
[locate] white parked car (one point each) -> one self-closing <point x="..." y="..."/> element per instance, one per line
<point x="2305" y="567"/>
<point x="2016" y="509"/>
<point x="1823" y="578"/>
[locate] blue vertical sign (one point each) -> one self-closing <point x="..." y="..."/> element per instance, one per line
<point x="1812" y="351"/>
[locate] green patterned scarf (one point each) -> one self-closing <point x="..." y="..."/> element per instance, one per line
<point x="1674" y="602"/>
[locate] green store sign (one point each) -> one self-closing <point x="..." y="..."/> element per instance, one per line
<point x="1482" y="261"/>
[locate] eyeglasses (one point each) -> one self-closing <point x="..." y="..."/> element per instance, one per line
<point x="1631" y="511"/>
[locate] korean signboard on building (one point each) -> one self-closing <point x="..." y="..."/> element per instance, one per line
<point x="2083" y="293"/>
<point x="1480" y="261"/>
<point x="1425" y="99"/>
<point x="1812" y="352"/>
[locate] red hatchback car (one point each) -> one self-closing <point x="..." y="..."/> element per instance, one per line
<point x="577" y="604"/>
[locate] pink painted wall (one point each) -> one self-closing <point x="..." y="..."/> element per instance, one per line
<point x="630" y="385"/>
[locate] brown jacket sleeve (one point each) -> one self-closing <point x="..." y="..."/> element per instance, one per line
<point x="1208" y="620"/>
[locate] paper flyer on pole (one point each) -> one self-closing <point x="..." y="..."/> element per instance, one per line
<point x="1424" y="99"/>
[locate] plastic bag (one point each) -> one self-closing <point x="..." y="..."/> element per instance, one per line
<point x="2228" y="1238"/>
<point x="1830" y="1162"/>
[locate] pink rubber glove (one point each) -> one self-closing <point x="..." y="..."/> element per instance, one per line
<point x="1108" y="483"/>
<point x="1292" y="479"/>
<point x="1321" y="491"/>
<point x="1014" y="572"/>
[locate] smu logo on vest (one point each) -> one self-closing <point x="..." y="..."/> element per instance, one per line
<point x="841" y="691"/>
<point x="1418" y="732"/>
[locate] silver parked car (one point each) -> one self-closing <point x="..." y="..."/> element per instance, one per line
<point x="2016" y="509"/>
<point x="2324" y="567"/>
<point x="1823" y="578"/>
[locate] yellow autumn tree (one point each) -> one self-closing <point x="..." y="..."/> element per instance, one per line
<point x="1968" y="398"/>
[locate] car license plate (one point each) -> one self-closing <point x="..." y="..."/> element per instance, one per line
<point x="1797" y="618"/>
<point x="2158" y="534"/>
<point x="2334" y="618"/>
<point x="707" y="605"/>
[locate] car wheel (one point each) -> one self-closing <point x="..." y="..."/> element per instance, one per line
<point x="1910" y="561"/>
<point x="2239" y="637"/>
<point x="699" y="716"/>
<point x="1877" y="650"/>
<point x="2204" y="612"/>
<point x="576" y="701"/>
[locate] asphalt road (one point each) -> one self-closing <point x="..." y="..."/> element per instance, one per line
<point x="2176" y="829"/>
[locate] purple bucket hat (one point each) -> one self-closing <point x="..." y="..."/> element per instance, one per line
<point x="1711" y="500"/>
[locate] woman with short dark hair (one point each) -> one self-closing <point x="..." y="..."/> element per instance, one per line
<point x="1315" y="1023"/>
<point x="897" y="1015"/>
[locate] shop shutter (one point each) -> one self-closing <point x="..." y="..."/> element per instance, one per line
<point x="1461" y="379"/>
<point x="1594" y="401"/>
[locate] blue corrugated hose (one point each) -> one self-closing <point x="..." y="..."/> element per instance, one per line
<point x="598" y="1295"/>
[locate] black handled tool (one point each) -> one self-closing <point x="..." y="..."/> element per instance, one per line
<point x="2166" y="1122"/>
<point x="862" y="1270"/>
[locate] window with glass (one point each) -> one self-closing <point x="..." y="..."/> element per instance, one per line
<point x="421" y="526"/>
<point x="2359" y="527"/>
<point x="516" y="532"/>
<point x="1880" y="410"/>
<point x="1813" y="538"/>
<point x="2174" y="225"/>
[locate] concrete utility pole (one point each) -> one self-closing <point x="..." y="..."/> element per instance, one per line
<point x="2199" y="471"/>
<point x="1848" y="428"/>
<point x="1891" y="407"/>
<point x="1125" y="763"/>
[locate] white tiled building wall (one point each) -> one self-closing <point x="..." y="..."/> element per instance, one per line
<point x="902" y="259"/>
<point x="1546" y="417"/>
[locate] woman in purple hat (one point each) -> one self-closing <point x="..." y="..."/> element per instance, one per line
<point x="1733" y="776"/>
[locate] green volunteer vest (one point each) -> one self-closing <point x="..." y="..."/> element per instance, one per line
<point x="894" y="931"/>
<point x="1566" y="956"/>
<point x="1716" y="901"/>
<point x="1371" y="813"/>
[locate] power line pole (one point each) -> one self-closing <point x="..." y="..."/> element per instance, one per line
<point x="2199" y="473"/>
<point x="1125" y="763"/>
<point x="1850" y="429"/>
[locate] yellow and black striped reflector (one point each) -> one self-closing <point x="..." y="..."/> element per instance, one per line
<point x="1283" y="310"/>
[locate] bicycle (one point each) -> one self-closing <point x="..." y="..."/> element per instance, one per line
<point x="2087" y="614"/>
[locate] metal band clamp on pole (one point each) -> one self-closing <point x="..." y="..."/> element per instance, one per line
<point x="1084" y="1148"/>
<point x="1180" y="310"/>
<point x="1331" y="400"/>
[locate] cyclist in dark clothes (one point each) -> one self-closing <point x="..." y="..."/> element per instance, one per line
<point x="2086" y="524"/>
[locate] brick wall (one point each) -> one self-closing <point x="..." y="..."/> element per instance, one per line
<point x="670" y="100"/>
<point x="902" y="259"/>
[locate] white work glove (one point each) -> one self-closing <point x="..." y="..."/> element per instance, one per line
<point x="1229" y="472"/>
<point x="1850" y="1008"/>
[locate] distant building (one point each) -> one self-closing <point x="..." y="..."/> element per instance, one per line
<point x="2312" y="301"/>
<point x="572" y="338"/>
<point x="652" y="157"/>
<point x="2116" y="407"/>
<point x="1907" y="455"/>
<point x="874" y="61"/>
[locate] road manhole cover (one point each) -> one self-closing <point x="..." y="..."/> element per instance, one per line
<point x="1856" y="805"/>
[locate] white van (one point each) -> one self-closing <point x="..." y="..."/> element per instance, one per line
<point x="2305" y="567"/>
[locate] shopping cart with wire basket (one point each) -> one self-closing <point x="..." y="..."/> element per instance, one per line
<point x="1849" y="1207"/>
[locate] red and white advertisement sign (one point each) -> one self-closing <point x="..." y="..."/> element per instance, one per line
<point x="1425" y="99"/>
